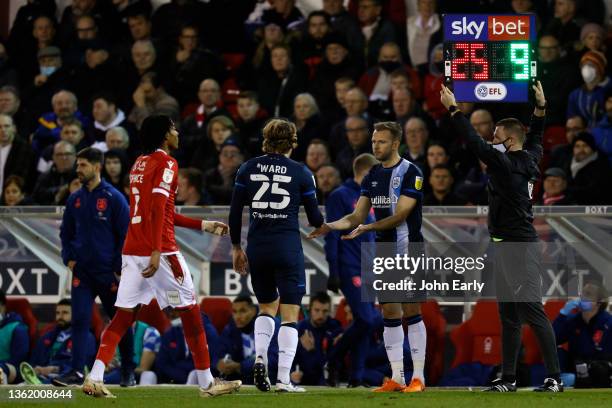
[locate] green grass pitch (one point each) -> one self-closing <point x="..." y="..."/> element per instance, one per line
<point x="321" y="397"/>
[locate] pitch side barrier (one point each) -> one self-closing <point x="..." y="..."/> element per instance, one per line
<point x="578" y="241"/>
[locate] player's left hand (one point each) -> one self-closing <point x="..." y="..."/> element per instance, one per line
<point x="447" y="97"/>
<point x="153" y="265"/>
<point x="539" y="94"/>
<point x="215" y="227"/>
<point x="362" y="228"/>
<point x="240" y="261"/>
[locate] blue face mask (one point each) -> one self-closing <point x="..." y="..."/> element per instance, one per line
<point x="47" y="71"/>
<point x="586" y="305"/>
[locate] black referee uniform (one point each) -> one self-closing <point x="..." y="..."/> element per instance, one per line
<point x="517" y="258"/>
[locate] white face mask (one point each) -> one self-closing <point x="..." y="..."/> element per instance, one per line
<point x="176" y="322"/>
<point x="589" y="73"/>
<point x="501" y="146"/>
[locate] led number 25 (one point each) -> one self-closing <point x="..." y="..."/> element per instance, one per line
<point x="276" y="190"/>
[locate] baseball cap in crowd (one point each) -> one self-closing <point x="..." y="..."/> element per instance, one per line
<point x="230" y="141"/>
<point x="555" y="172"/>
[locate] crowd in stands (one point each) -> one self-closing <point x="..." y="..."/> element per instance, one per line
<point x="90" y="73"/>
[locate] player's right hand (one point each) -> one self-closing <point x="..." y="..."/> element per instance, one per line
<point x="319" y="232"/>
<point x="153" y="265"/>
<point x="447" y="97"/>
<point x="240" y="261"/>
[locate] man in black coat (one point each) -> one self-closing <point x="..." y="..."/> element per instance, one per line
<point x="16" y="156"/>
<point x="589" y="172"/>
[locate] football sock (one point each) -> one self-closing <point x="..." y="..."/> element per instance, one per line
<point x="393" y="335"/>
<point x="121" y="322"/>
<point x="417" y="337"/>
<point x="196" y="340"/>
<point x="287" y="345"/>
<point x="264" y="330"/>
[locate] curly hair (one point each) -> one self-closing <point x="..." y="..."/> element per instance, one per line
<point x="279" y="136"/>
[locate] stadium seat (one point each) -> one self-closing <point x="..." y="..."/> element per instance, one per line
<point x="436" y="332"/>
<point x="341" y="313"/>
<point x="530" y="342"/>
<point x="218" y="309"/>
<point x="478" y="339"/>
<point x="553" y="136"/>
<point x="229" y="94"/>
<point x="233" y="61"/>
<point x="153" y="316"/>
<point x="22" y="307"/>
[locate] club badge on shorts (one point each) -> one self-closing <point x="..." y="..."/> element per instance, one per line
<point x="174" y="298"/>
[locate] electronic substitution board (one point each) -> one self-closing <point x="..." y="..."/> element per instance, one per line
<point x="490" y="58"/>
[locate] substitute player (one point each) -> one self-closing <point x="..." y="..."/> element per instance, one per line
<point x="517" y="268"/>
<point x="274" y="187"/>
<point x="153" y="267"/>
<point x="395" y="186"/>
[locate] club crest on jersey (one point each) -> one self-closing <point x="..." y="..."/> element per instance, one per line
<point x="101" y="204"/>
<point x="77" y="203"/>
<point x="395" y="183"/>
<point x="167" y="176"/>
<point x="418" y="182"/>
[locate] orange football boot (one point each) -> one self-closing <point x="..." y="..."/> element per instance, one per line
<point x="390" y="386"/>
<point x="415" y="385"/>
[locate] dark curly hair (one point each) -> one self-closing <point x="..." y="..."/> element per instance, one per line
<point x="280" y="135"/>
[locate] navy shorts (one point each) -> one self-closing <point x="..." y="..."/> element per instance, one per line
<point x="277" y="274"/>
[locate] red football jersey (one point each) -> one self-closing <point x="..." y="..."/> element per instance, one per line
<point x="156" y="173"/>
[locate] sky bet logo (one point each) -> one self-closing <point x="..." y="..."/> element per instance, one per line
<point x="476" y="27"/>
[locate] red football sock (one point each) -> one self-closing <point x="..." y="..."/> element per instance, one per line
<point x="112" y="335"/>
<point x="196" y="337"/>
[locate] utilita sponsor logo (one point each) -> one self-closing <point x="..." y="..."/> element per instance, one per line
<point x="494" y="28"/>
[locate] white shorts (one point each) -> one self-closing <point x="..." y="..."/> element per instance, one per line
<point x="171" y="285"/>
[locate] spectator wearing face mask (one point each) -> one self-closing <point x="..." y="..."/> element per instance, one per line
<point x="587" y="327"/>
<point x="588" y="100"/>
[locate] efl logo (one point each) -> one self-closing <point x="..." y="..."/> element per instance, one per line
<point x="508" y="28"/>
<point x="490" y="91"/>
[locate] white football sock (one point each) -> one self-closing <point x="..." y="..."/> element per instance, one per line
<point x="394" y="344"/>
<point x="97" y="371"/>
<point x="287" y="345"/>
<point x="205" y="377"/>
<point x="264" y="330"/>
<point x="417" y="337"/>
